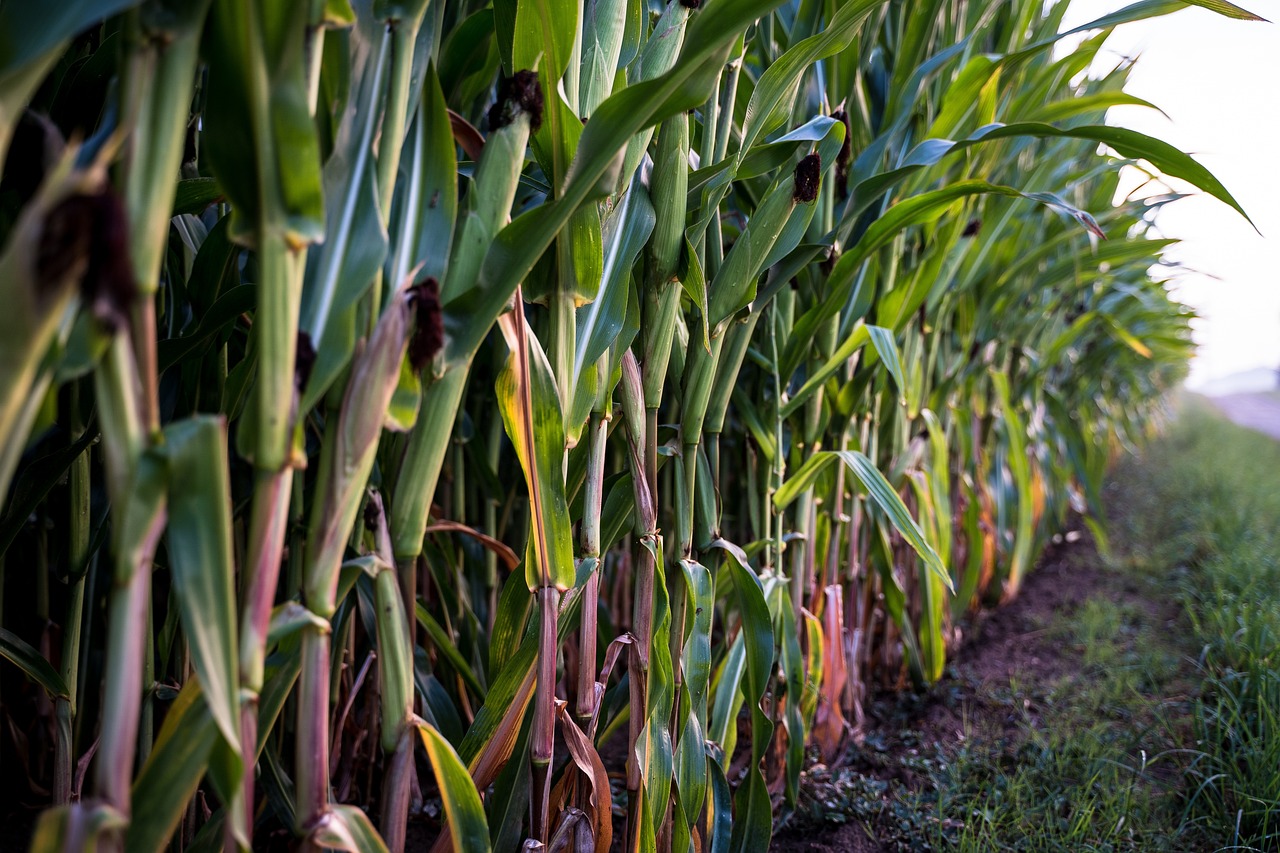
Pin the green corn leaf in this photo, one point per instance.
(691, 754)
(1015, 434)
(341, 269)
(32, 663)
(464, 813)
(199, 544)
(1127, 143)
(543, 38)
(1063, 110)
(753, 809)
(770, 102)
(758, 636)
(625, 113)
(216, 321)
(887, 349)
(194, 195)
(257, 99)
(432, 184)
(289, 618)
(601, 322)
(33, 484)
(395, 657)
(30, 32)
(1229, 10)
(174, 769)
(348, 828)
(791, 670)
(603, 30)
(530, 407)
(878, 489)
(853, 342)
(917, 210)
(720, 816)
(764, 157)
(32, 39)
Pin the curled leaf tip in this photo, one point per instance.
(519, 93)
(808, 177)
(89, 232)
(428, 329)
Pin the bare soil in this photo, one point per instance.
(1007, 656)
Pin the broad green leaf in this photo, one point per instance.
(791, 671)
(29, 31)
(852, 343)
(32, 663)
(770, 101)
(543, 38)
(34, 483)
(757, 629)
(1062, 110)
(603, 29)
(917, 210)
(194, 195)
(530, 407)
(178, 761)
(878, 489)
(261, 141)
(1229, 10)
(1020, 466)
(288, 618)
(395, 655)
(1127, 143)
(199, 545)
(1128, 338)
(432, 184)
(465, 820)
(219, 317)
(691, 754)
(341, 269)
(625, 113)
(31, 38)
(600, 322)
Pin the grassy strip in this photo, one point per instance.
(1167, 739)
(1094, 761)
(1159, 726)
(1206, 502)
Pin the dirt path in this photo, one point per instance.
(1256, 411)
(1009, 646)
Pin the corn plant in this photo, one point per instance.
(604, 396)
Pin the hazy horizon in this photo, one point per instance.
(1210, 75)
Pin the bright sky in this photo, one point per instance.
(1217, 79)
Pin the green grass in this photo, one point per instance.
(1165, 732)
(1167, 739)
(1206, 503)
(1093, 769)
